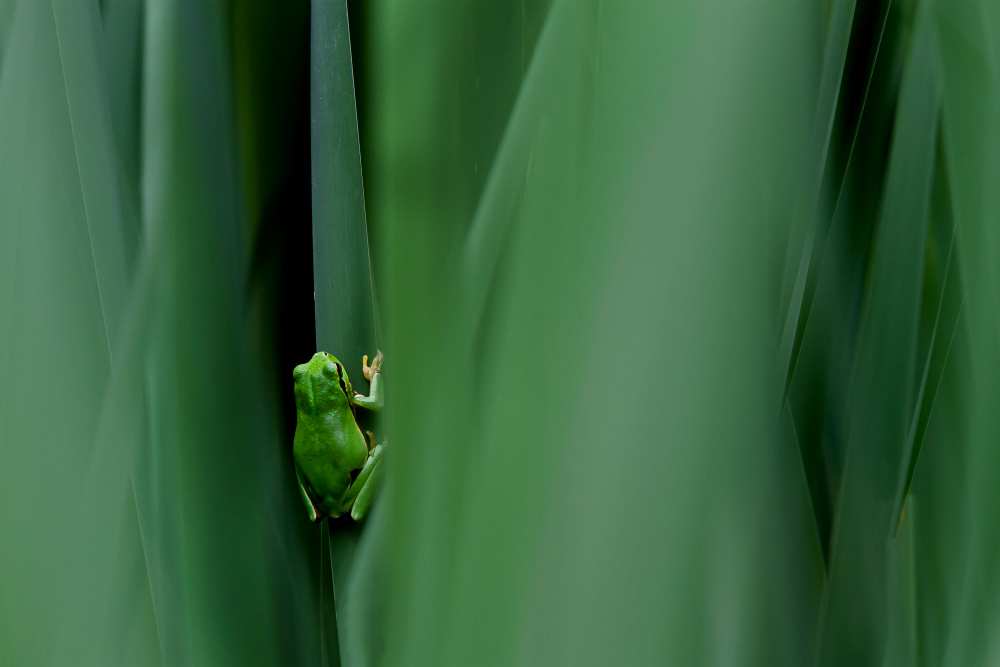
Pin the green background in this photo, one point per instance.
(688, 310)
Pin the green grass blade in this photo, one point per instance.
(803, 238)
(805, 249)
(824, 345)
(884, 375)
(902, 643)
(345, 315)
(812, 258)
(968, 35)
(346, 318)
(945, 298)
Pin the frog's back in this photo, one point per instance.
(328, 448)
(328, 445)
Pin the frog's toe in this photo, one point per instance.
(369, 371)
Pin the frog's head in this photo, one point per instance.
(321, 383)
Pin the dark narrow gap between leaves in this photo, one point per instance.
(865, 74)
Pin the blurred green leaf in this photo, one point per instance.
(802, 247)
(214, 487)
(942, 315)
(69, 224)
(62, 267)
(549, 502)
(853, 58)
(6, 18)
(967, 34)
(884, 378)
(122, 60)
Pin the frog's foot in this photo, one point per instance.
(376, 365)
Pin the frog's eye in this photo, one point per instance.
(299, 371)
(330, 369)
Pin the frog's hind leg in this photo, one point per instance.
(367, 493)
(310, 508)
(362, 490)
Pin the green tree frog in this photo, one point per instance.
(338, 468)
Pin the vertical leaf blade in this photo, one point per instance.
(344, 289)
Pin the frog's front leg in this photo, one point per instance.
(373, 373)
(362, 490)
(310, 508)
